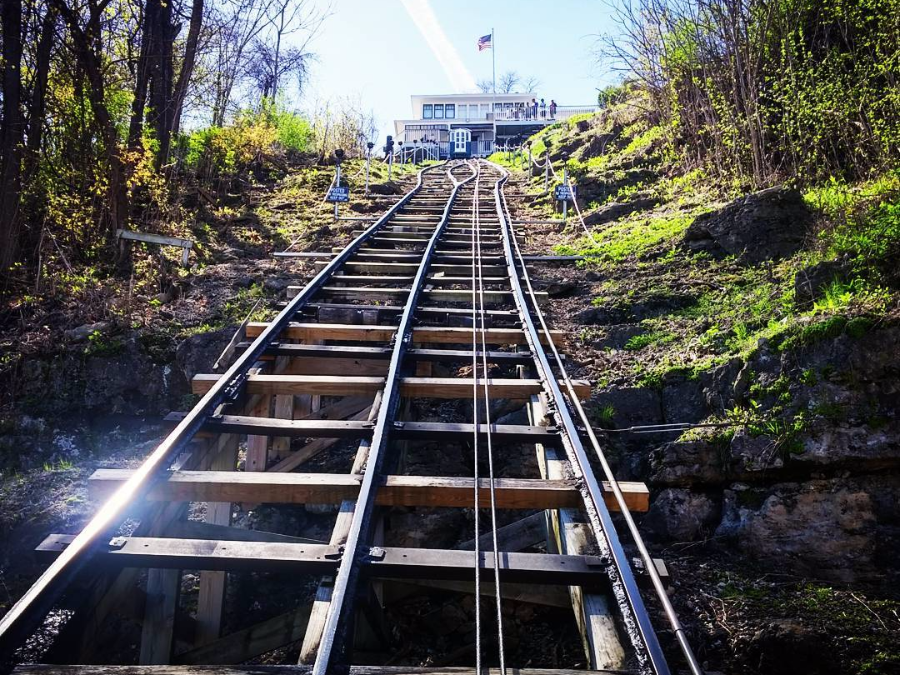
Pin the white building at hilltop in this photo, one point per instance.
(464, 125)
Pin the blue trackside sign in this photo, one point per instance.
(564, 193)
(341, 193)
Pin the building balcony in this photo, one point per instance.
(511, 115)
(527, 115)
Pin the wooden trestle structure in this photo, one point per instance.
(343, 361)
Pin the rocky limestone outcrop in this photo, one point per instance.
(766, 225)
(822, 502)
(810, 282)
(844, 529)
(616, 210)
(682, 515)
(126, 381)
(198, 353)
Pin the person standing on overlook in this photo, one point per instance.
(543, 109)
(533, 108)
(552, 109)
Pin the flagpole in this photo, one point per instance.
(494, 97)
(494, 60)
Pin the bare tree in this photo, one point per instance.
(248, 50)
(267, 66)
(344, 124)
(530, 84)
(510, 82)
(269, 61)
(236, 23)
(289, 17)
(745, 82)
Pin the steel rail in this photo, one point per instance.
(475, 438)
(656, 580)
(645, 641)
(26, 614)
(490, 449)
(338, 623)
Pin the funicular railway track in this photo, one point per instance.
(436, 284)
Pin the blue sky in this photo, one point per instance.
(372, 50)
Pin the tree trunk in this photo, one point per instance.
(39, 92)
(161, 101)
(142, 76)
(117, 190)
(187, 65)
(11, 133)
(277, 54)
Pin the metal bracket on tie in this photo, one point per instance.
(376, 553)
(596, 561)
(337, 554)
(233, 390)
(117, 542)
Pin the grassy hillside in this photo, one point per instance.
(785, 363)
(637, 205)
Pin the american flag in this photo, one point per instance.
(484, 42)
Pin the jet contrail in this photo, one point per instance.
(426, 21)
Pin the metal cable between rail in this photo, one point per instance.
(487, 414)
(649, 565)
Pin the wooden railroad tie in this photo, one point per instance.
(324, 488)
(358, 428)
(421, 335)
(322, 559)
(53, 669)
(411, 387)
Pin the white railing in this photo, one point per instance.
(420, 152)
(482, 148)
(528, 114)
(423, 151)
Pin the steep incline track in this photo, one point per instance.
(436, 284)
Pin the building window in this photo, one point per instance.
(450, 111)
(438, 111)
(485, 108)
(427, 111)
